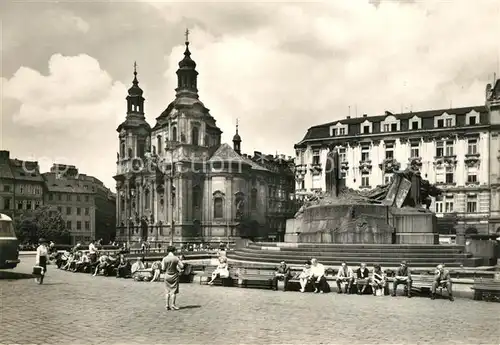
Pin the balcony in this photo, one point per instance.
(390, 165)
(445, 160)
(365, 165)
(316, 169)
(472, 159)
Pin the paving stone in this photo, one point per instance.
(81, 309)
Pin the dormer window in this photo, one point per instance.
(472, 118)
(444, 120)
(414, 125)
(340, 131)
(366, 129)
(390, 124)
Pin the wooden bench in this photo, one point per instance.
(254, 278)
(206, 276)
(486, 288)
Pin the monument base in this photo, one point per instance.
(415, 226)
(417, 238)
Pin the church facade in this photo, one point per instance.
(176, 182)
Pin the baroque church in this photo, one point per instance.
(176, 182)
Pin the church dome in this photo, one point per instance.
(187, 62)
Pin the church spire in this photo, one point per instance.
(186, 74)
(135, 101)
(237, 140)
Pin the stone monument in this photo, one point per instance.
(397, 212)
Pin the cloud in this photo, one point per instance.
(76, 89)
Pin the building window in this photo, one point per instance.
(87, 225)
(387, 127)
(471, 203)
(19, 205)
(6, 203)
(389, 151)
(366, 129)
(439, 206)
(450, 175)
(440, 175)
(440, 123)
(174, 133)
(78, 211)
(122, 149)
(78, 198)
(194, 136)
(59, 209)
(68, 197)
(87, 211)
(315, 160)
(472, 146)
(196, 197)
(37, 190)
(472, 120)
(253, 199)
(365, 153)
(78, 225)
(365, 179)
(340, 131)
(69, 225)
(59, 196)
(218, 204)
(302, 184)
(394, 127)
(444, 148)
(472, 175)
(448, 204)
(448, 122)
(68, 210)
(37, 204)
(51, 196)
(147, 199)
(342, 154)
(87, 198)
(158, 144)
(21, 189)
(29, 206)
(388, 178)
(6, 188)
(449, 148)
(414, 125)
(415, 150)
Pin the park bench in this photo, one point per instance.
(486, 288)
(206, 276)
(255, 278)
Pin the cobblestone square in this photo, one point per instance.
(80, 309)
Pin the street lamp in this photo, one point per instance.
(129, 220)
(172, 198)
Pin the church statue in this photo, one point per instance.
(239, 208)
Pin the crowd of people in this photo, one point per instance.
(313, 273)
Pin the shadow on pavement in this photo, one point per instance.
(190, 307)
(10, 275)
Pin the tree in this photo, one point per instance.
(42, 222)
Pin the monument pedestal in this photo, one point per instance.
(415, 226)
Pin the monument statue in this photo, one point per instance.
(332, 173)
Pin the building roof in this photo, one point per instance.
(323, 130)
(25, 170)
(5, 171)
(225, 153)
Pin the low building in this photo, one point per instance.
(21, 185)
(85, 204)
(457, 149)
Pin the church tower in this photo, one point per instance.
(237, 141)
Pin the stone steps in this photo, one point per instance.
(329, 246)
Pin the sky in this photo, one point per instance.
(278, 67)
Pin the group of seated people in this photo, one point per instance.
(83, 261)
(313, 273)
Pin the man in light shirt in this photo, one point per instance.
(318, 276)
(92, 252)
(345, 276)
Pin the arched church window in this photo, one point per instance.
(174, 133)
(253, 199)
(218, 203)
(196, 197)
(194, 136)
(147, 197)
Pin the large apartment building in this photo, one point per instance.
(458, 149)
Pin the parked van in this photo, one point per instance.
(9, 245)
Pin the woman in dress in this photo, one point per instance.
(221, 271)
(172, 266)
(304, 275)
(378, 279)
(42, 257)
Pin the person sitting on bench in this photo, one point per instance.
(362, 278)
(156, 268)
(378, 280)
(345, 276)
(139, 272)
(317, 276)
(442, 279)
(303, 276)
(82, 263)
(403, 276)
(123, 270)
(102, 265)
(221, 271)
(283, 274)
